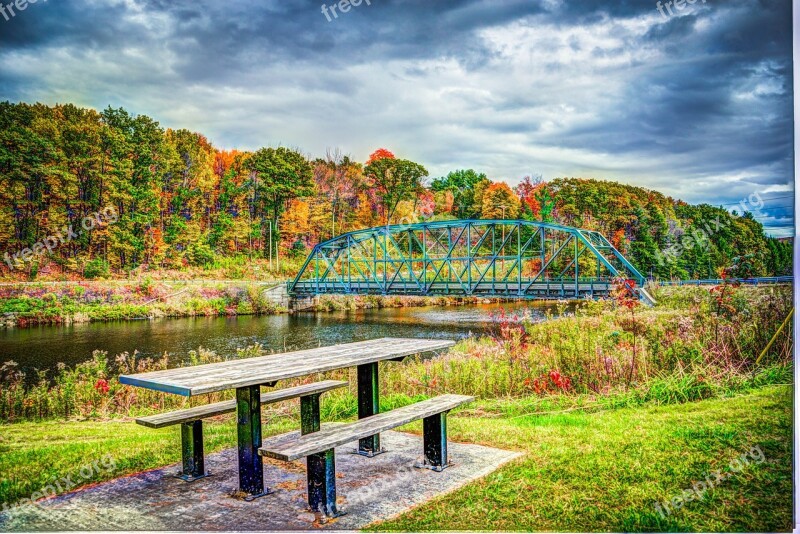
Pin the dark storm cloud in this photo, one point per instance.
(63, 23)
(698, 105)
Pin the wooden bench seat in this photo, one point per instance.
(191, 420)
(318, 447)
(218, 408)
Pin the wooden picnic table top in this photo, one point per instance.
(208, 378)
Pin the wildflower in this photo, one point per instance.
(101, 386)
(561, 382)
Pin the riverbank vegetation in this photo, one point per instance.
(696, 343)
(43, 303)
(173, 202)
(329, 303)
(80, 302)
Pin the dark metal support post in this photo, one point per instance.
(368, 404)
(248, 427)
(309, 414)
(321, 470)
(192, 451)
(434, 431)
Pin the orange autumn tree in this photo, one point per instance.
(381, 153)
(232, 228)
(444, 203)
(366, 213)
(296, 227)
(500, 202)
(619, 241)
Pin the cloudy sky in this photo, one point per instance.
(694, 102)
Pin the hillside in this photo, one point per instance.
(88, 194)
(669, 238)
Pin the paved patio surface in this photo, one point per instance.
(368, 490)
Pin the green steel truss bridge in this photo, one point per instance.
(484, 258)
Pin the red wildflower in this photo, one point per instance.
(561, 382)
(101, 385)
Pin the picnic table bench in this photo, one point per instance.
(247, 376)
(191, 420)
(318, 447)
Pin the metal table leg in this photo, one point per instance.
(322, 484)
(248, 429)
(321, 467)
(368, 404)
(434, 431)
(309, 414)
(192, 451)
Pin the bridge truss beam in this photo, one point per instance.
(492, 258)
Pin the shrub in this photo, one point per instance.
(200, 254)
(298, 250)
(96, 268)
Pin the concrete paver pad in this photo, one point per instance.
(368, 489)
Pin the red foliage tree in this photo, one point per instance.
(381, 153)
(426, 204)
(529, 190)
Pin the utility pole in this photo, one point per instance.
(277, 243)
(270, 243)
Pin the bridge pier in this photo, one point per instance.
(646, 297)
(302, 303)
(278, 295)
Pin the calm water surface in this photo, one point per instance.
(43, 347)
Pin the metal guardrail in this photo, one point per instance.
(717, 281)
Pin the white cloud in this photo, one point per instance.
(688, 107)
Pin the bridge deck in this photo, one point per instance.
(499, 289)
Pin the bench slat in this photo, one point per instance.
(290, 447)
(218, 408)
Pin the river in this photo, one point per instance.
(45, 346)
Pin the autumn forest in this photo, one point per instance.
(179, 202)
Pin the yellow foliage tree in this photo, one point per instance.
(295, 224)
(500, 202)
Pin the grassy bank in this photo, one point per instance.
(32, 304)
(241, 268)
(581, 471)
(110, 300)
(606, 471)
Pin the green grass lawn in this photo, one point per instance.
(604, 471)
(581, 471)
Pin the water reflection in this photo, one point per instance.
(44, 347)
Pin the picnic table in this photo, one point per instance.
(247, 376)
